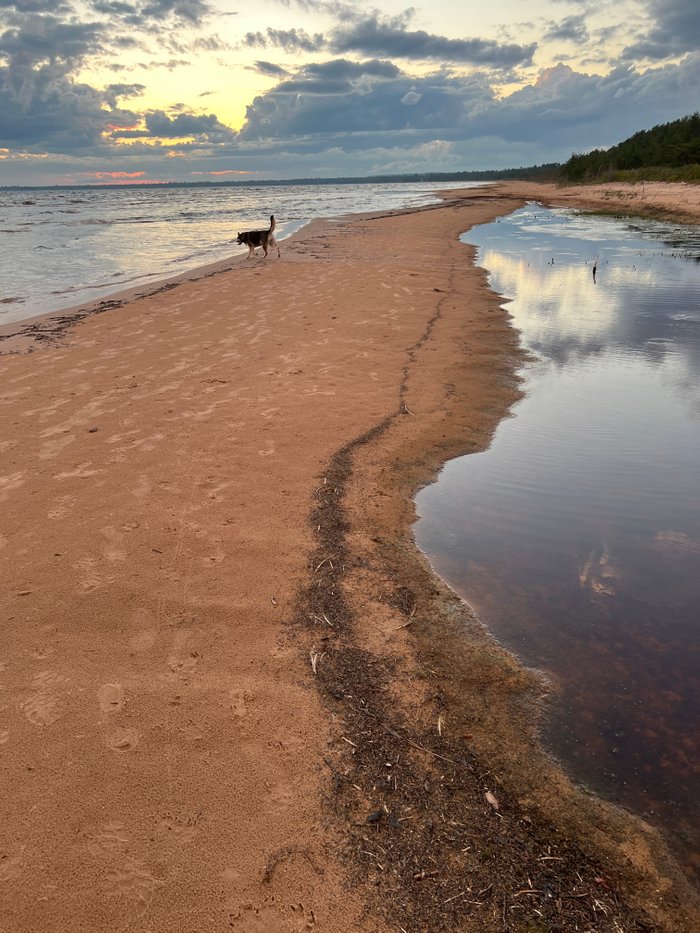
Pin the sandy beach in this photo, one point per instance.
(233, 696)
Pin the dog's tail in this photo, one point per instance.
(273, 223)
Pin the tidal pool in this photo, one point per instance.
(576, 536)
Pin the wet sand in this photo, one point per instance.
(232, 693)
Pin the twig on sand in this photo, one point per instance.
(453, 898)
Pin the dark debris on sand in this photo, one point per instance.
(436, 844)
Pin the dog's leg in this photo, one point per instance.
(251, 251)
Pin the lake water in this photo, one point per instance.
(61, 247)
(576, 535)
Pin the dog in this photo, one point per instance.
(254, 238)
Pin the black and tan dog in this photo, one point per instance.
(254, 238)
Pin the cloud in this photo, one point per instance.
(115, 175)
(291, 40)
(411, 97)
(362, 109)
(586, 111)
(377, 35)
(194, 12)
(43, 48)
(43, 39)
(269, 69)
(674, 30)
(113, 92)
(571, 29)
(36, 6)
(44, 109)
(348, 97)
(203, 126)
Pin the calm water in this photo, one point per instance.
(67, 246)
(576, 536)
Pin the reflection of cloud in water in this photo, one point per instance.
(576, 534)
(645, 303)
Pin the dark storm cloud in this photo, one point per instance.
(348, 104)
(572, 29)
(674, 30)
(349, 97)
(375, 35)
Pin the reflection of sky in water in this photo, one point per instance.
(577, 534)
(565, 317)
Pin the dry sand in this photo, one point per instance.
(232, 694)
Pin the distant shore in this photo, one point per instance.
(233, 695)
(673, 201)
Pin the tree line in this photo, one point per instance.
(667, 152)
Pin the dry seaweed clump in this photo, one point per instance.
(436, 841)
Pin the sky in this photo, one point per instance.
(133, 91)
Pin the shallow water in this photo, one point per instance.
(576, 535)
(60, 247)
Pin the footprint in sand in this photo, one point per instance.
(134, 882)
(178, 829)
(270, 920)
(110, 698)
(183, 665)
(191, 732)
(4, 736)
(124, 876)
(108, 840)
(113, 550)
(143, 488)
(10, 866)
(240, 700)
(53, 448)
(122, 740)
(91, 578)
(282, 796)
(9, 483)
(81, 470)
(61, 508)
(41, 707)
(142, 641)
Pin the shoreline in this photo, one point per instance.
(671, 202)
(262, 603)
